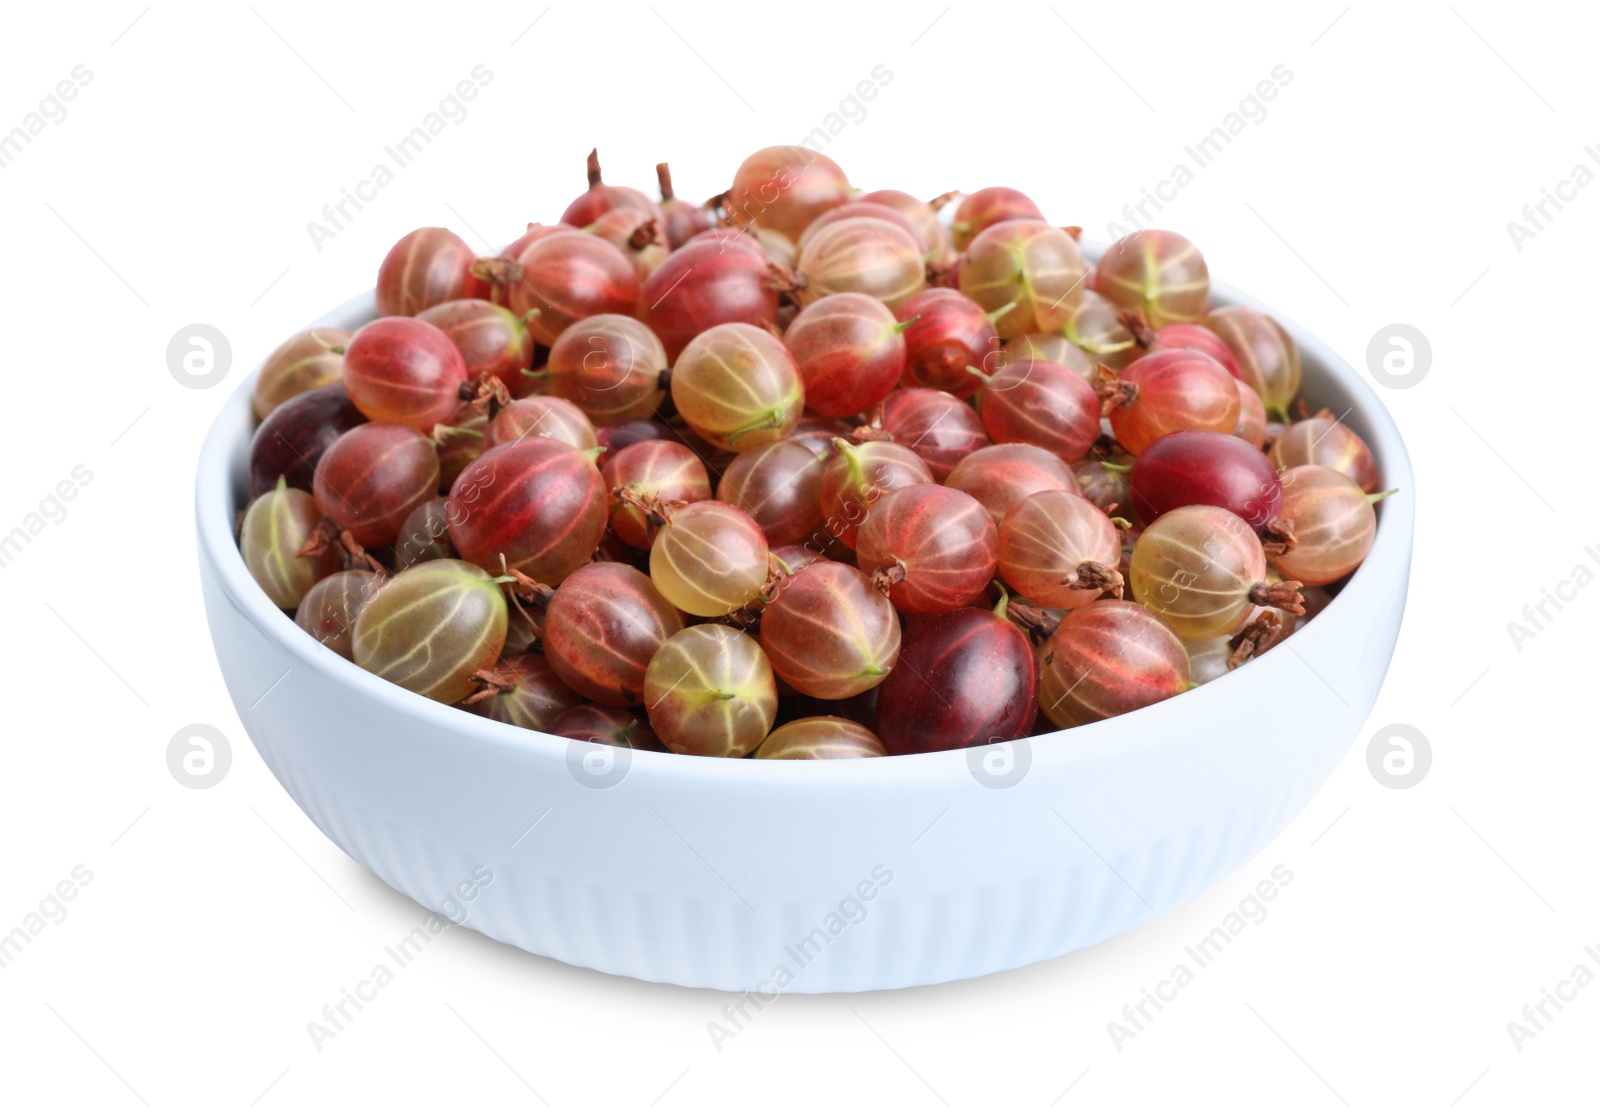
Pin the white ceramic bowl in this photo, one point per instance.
(806, 876)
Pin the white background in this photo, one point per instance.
(1376, 190)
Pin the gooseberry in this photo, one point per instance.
(637, 236)
(861, 255)
(849, 353)
(1159, 273)
(294, 436)
(1252, 424)
(1041, 403)
(736, 386)
(402, 369)
(328, 611)
(1201, 569)
(1052, 348)
(276, 526)
(1333, 524)
(937, 426)
(1108, 658)
(946, 333)
(857, 476)
(373, 477)
(304, 362)
(821, 737)
(779, 485)
(1001, 476)
(425, 268)
(666, 470)
(680, 220)
(431, 628)
(596, 723)
(829, 633)
(717, 278)
(540, 416)
(785, 189)
(965, 678)
(600, 199)
(536, 506)
(932, 548)
(1060, 550)
(601, 629)
(1165, 392)
(1266, 356)
(1203, 466)
(710, 692)
(989, 206)
(610, 366)
(524, 691)
(568, 276)
(1026, 274)
(708, 558)
(492, 340)
(1330, 443)
(424, 535)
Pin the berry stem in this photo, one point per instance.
(594, 167)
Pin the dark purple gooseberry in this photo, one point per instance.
(965, 678)
(293, 437)
(1196, 466)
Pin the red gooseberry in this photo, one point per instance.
(600, 199)
(602, 627)
(492, 340)
(373, 477)
(1001, 476)
(938, 427)
(302, 363)
(1041, 403)
(667, 470)
(860, 255)
(1264, 352)
(1106, 659)
(402, 369)
(857, 476)
(1026, 274)
(535, 506)
(947, 333)
(540, 416)
(932, 548)
(610, 366)
(849, 352)
(1333, 524)
(614, 727)
(829, 633)
(718, 278)
(1203, 466)
(1330, 443)
(1060, 550)
(785, 189)
(965, 678)
(989, 206)
(1202, 570)
(523, 690)
(425, 268)
(1165, 392)
(680, 220)
(295, 435)
(821, 737)
(568, 276)
(778, 484)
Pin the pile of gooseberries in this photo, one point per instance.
(800, 473)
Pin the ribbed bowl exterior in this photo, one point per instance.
(806, 877)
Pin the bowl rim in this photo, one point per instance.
(1090, 745)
